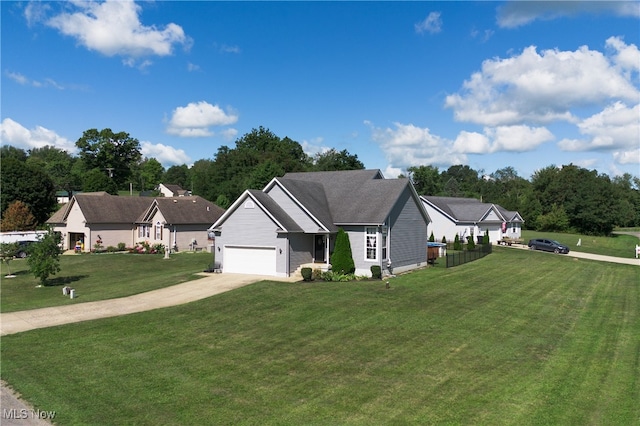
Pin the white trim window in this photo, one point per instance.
(371, 243)
(158, 230)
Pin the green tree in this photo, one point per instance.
(151, 172)
(457, 245)
(7, 253)
(44, 259)
(426, 180)
(59, 165)
(96, 180)
(461, 181)
(554, 221)
(432, 237)
(18, 217)
(333, 160)
(114, 153)
(342, 258)
(8, 151)
(178, 175)
(31, 185)
(223, 201)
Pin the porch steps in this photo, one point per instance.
(298, 272)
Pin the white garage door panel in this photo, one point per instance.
(250, 260)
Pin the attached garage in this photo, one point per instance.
(249, 260)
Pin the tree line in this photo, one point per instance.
(566, 198)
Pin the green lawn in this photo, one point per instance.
(516, 338)
(617, 245)
(97, 277)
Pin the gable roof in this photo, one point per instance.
(469, 209)
(100, 207)
(183, 210)
(175, 189)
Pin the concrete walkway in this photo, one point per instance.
(209, 285)
(590, 256)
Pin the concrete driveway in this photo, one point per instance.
(209, 285)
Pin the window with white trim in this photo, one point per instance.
(371, 243)
(158, 231)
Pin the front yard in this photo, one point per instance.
(97, 277)
(511, 339)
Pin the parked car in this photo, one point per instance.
(548, 245)
(24, 248)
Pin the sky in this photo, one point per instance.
(485, 84)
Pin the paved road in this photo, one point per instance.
(590, 256)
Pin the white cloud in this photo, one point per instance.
(517, 13)
(407, 145)
(543, 87)
(25, 81)
(627, 157)
(195, 119)
(14, 134)
(616, 127)
(431, 24)
(314, 146)
(502, 138)
(166, 155)
(114, 28)
(229, 134)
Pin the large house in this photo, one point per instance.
(469, 216)
(294, 220)
(100, 218)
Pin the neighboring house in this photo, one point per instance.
(92, 217)
(168, 190)
(179, 222)
(294, 220)
(468, 216)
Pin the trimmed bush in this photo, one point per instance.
(444, 240)
(376, 272)
(457, 245)
(122, 246)
(485, 238)
(306, 274)
(432, 238)
(470, 243)
(341, 258)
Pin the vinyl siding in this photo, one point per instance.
(408, 234)
(293, 209)
(300, 250)
(251, 227)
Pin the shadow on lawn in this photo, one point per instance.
(58, 281)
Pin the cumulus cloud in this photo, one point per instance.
(14, 134)
(616, 129)
(196, 119)
(113, 28)
(543, 87)
(165, 154)
(314, 146)
(518, 13)
(431, 24)
(407, 145)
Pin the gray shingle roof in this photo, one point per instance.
(467, 209)
(105, 208)
(185, 210)
(276, 211)
(352, 196)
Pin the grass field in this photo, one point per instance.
(97, 277)
(516, 338)
(617, 245)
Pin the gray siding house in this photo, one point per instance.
(294, 220)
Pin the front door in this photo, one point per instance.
(319, 249)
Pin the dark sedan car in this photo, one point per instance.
(548, 245)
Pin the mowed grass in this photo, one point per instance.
(516, 338)
(97, 277)
(616, 245)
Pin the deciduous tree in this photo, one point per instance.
(18, 217)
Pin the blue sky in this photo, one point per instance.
(400, 84)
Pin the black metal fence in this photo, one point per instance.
(456, 258)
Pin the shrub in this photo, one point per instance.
(470, 243)
(444, 240)
(341, 258)
(121, 246)
(485, 238)
(376, 272)
(144, 247)
(432, 238)
(457, 245)
(306, 274)
(111, 249)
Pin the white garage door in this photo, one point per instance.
(250, 260)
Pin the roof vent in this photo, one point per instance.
(175, 201)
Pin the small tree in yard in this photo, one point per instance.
(485, 238)
(45, 257)
(432, 238)
(342, 258)
(470, 243)
(457, 245)
(7, 253)
(17, 217)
